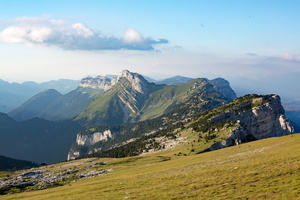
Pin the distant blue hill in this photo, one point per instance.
(14, 94)
(175, 80)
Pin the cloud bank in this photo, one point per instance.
(46, 32)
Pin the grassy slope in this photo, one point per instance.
(264, 169)
(160, 99)
(100, 103)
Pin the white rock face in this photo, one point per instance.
(267, 120)
(106, 82)
(99, 82)
(134, 96)
(136, 81)
(88, 140)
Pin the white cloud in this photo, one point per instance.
(42, 31)
(132, 36)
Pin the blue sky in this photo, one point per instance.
(46, 40)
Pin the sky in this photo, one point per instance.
(250, 43)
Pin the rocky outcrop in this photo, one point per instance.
(99, 82)
(84, 141)
(88, 140)
(39, 178)
(222, 86)
(134, 96)
(259, 122)
(138, 83)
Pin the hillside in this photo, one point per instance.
(192, 99)
(209, 127)
(32, 108)
(264, 169)
(36, 139)
(51, 105)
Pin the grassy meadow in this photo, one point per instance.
(264, 169)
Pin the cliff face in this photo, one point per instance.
(259, 122)
(222, 86)
(138, 83)
(134, 95)
(99, 82)
(84, 141)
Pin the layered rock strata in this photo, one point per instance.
(264, 121)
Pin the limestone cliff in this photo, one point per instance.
(133, 96)
(99, 82)
(84, 141)
(265, 120)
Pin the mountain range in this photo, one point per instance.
(53, 106)
(111, 113)
(14, 94)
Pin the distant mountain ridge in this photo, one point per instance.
(129, 97)
(14, 94)
(114, 111)
(97, 101)
(175, 80)
(52, 105)
(31, 108)
(132, 98)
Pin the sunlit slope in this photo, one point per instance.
(122, 104)
(264, 169)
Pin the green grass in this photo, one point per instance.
(264, 169)
(160, 99)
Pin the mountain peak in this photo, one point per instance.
(127, 74)
(138, 82)
(221, 85)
